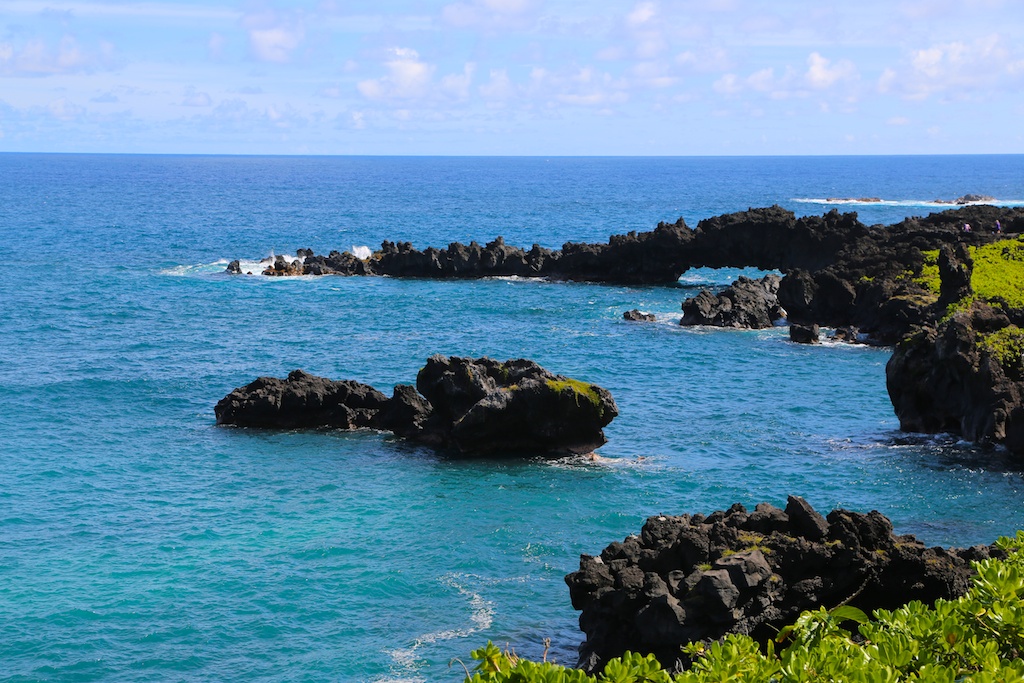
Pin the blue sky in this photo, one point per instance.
(534, 77)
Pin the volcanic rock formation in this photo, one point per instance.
(696, 578)
(748, 304)
(469, 406)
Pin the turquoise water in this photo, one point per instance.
(140, 542)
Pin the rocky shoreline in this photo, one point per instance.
(872, 284)
(693, 578)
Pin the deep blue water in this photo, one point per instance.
(140, 542)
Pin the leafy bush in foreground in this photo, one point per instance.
(978, 638)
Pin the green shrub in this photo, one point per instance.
(929, 277)
(998, 275)
(1007, 347)
(978, 638)
(999, 272)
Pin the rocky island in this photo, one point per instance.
(462, 405)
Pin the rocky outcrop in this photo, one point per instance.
(746, 304)
(804, 334)
(963, 377)
(468, 406)
(637, 316)
(484, 406)
(301, 401)
(696, 578)
(838, 271)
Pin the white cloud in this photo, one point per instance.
(499, 88)
(898, 121)
(273, 36)
(959, 68)
(457, 85)
(763, 80)
(641, 14)
(709, 60)
(728, 84)
(652, 75)
(408, 78)
(821, 74)
(37, 58)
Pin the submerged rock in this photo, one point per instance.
(695, 578)
(470, 406)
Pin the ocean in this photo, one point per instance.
(141, 542)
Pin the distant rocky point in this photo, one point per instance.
(463, 405)
(967, 199)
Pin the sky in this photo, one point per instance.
(512, 77)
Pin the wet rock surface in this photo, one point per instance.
(464, 405)
(804, 334)
(691, 578)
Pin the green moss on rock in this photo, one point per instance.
(582, 390)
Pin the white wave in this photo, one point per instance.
(247, 266)
(196, 269)
(361, 252)
(923, 203)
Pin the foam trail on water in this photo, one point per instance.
(481, 618)
(924, 203)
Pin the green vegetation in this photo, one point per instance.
(1007, 347)
(582, 390)
(978, 638)
(998, 275)
(958, 307)
(999, 272)
(929, 277)
(753, 541)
